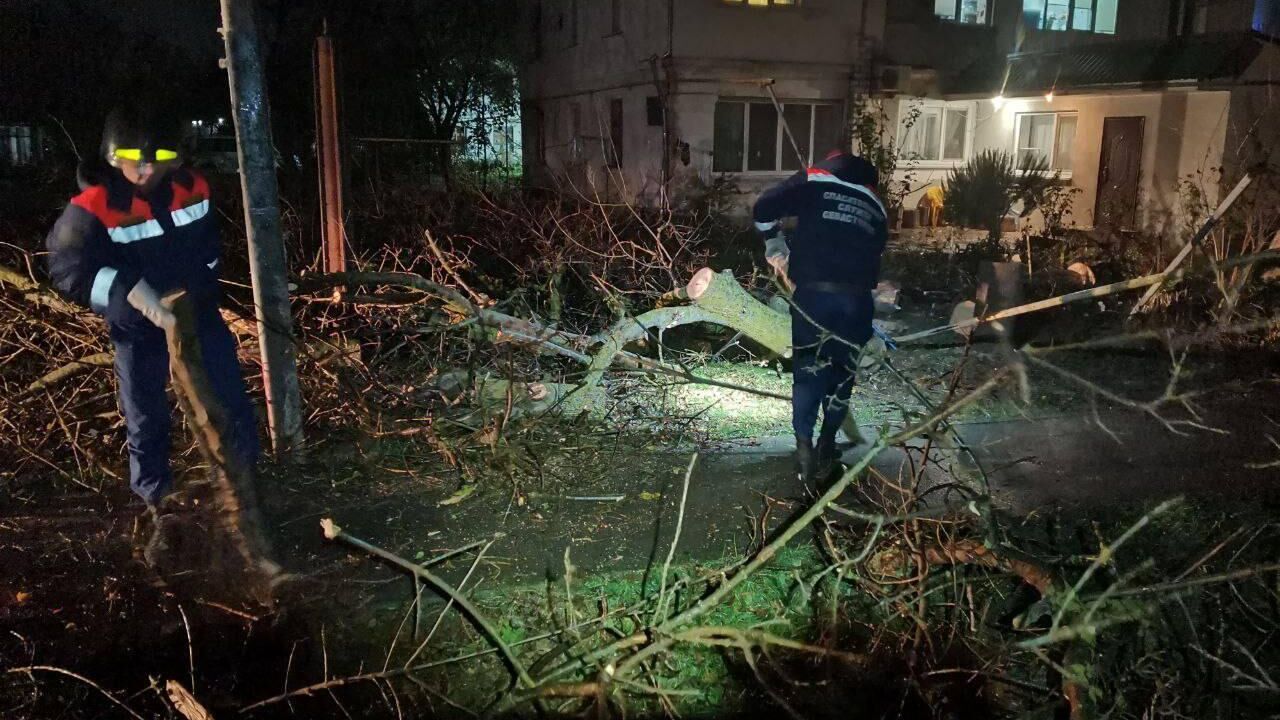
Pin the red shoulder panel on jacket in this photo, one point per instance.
(94, 199)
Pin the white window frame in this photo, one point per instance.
(905, 106)
(782, 142)
(955, 15)
(1074, 5)
(1053, 145)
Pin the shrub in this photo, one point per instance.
(980, 193)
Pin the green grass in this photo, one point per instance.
(771, 598)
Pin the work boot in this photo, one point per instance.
(827, 461)
(166, 522)
(806, 460)
(158, 551)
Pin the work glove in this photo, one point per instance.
(776, 253)
(144, 299)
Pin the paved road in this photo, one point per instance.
(1071, 463)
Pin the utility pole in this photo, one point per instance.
(247, 80)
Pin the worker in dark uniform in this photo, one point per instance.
(142, 227)
(833, 260)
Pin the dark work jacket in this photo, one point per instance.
(842, 226)
(109, 237)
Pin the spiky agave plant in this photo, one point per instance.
(982, 191)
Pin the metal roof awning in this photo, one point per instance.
(1144, 65)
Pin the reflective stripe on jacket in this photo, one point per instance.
(109, 237)
(842, 226)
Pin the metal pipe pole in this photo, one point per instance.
(247, 80)
(782, 118)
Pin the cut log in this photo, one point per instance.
(728, 304)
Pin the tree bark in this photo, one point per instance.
(724, 300)
(267, 264)
(234, 483)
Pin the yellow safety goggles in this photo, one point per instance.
(135, 155)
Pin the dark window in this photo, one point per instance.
(576, 149)
(573, 22)
(615, 17)
(615, 132)
(762, 137)
(748, 136)
(537, 30)
(535, 131)
(827, 131)
(17, 145)
(729, 129)
(653, 110)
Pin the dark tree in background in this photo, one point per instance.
(424, 68)
(407, 68)
(66, 63)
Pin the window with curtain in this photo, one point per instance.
(1046, 136)
(940, 133)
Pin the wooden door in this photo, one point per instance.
(1119, 170)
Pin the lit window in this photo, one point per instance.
(1097, 16)
(762, 3)
(940, 132)
(1046, 136)
(750, 138)
(967, 12)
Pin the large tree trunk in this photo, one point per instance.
(721, 297)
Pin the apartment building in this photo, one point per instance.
(631, 99)
(1130, 100)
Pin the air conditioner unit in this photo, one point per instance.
(894, 79)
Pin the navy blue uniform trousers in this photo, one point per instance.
(827, 332)
(142, 368)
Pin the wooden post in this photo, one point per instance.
(267, 266)
(329, 157)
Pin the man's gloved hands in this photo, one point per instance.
(144, 299)
(776, 253)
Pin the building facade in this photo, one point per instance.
(1132, 101)
(1139, 104)
(631, 99)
